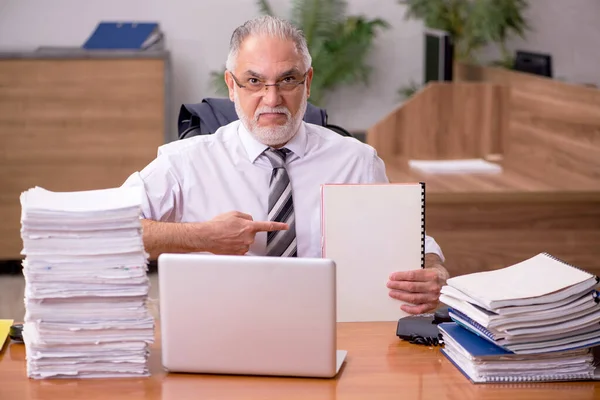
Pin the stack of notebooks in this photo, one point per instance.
(86, 284)
(537, 320)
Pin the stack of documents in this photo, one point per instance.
(540, 307)
(86, 285)
(482, 361)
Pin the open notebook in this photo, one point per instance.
(370, 231)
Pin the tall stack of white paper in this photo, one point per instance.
(86, 285)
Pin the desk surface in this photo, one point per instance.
(379, 366)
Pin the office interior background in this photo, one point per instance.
(473, 216)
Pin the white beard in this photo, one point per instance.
(272, 135)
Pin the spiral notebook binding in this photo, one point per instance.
(475, 326)
(540, 378)
(422, 224)
(567, 264)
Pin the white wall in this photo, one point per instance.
(570, 31)
(198, 32)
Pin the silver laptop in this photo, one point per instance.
(248, 315)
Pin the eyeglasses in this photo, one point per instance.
(286, 84)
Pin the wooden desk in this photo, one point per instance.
(379, 366)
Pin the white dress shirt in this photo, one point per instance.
(196, 179)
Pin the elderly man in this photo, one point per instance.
(253, 186)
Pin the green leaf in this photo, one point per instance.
(472, 23)
(342, 58)
(265, 7)
(317, 18)
(218, 82)
(405, 92)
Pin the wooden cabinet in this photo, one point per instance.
(75, 121)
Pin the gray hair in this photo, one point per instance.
(271, 27)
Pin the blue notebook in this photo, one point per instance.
(482, 362)
(475, 345)
(123, 36)
(473, 326)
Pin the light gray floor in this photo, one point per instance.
(12, 288)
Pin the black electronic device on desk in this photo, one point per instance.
(423, 328)
(16, 332)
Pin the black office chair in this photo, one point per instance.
(212, 113)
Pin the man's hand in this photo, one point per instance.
(231, 233)
(420, 287)
(234, 232)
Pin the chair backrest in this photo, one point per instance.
(206, 117)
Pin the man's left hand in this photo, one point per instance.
(420, 288)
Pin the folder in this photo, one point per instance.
(5, 325)
(371, 231)
(124, 36)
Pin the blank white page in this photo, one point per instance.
(370, 231)
(82, 201)
(537, 276)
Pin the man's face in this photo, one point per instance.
(272, 114)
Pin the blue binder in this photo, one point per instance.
(481, 352)
(123, 36)
(473, 344)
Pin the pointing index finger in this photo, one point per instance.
(268, 226)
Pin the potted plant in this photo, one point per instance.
(339, 44)
(472, 24)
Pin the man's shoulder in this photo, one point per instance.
(345, 144)
(199, 142)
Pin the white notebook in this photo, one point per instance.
(540, 279)
(370, 231)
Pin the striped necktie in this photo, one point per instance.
(281, 207)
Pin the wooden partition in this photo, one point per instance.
(547, 197)
(75, 122)
(554, 127)
(444, 121)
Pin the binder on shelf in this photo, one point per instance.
(371, 231)
(125, 36)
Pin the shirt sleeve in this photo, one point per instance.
(431, 246)
(379, 176)
(162, 191)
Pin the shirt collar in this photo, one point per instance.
(254, 148)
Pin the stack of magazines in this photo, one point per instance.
(86, 284)
(537, 320)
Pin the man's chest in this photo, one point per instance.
(213, 189)
(209, 193)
